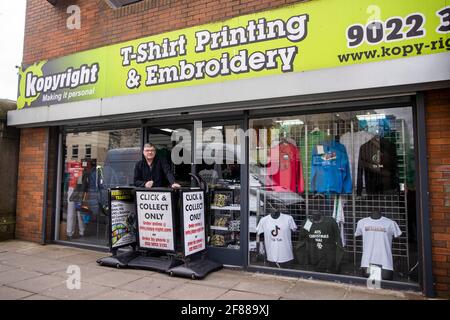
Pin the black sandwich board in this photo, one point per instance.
(156, 229)
(122, 223)
(193, 236)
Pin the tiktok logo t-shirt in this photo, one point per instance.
(277, 237)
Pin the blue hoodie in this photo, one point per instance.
(330, 172)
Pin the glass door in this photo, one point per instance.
(173, 142)
(217, 160)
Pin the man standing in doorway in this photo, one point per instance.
(150, 171)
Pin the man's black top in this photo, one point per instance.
(159, 170)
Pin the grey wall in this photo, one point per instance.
(9, 160)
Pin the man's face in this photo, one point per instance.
(149, 153)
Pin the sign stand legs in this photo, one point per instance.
(195, 268)
(119, 260)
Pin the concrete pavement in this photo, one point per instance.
(34, 272)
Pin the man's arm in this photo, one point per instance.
(167, 171)
(138, 179)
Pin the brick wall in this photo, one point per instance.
(30, 184)
(46, 34)
(438, 137)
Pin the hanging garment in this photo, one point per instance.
(338, 215)
(377, 241)
(377, 164)
(313, 138)
(277, 237)
(284, 170)
(353, 142)
(330, 169)
(322, 249)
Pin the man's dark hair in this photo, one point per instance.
(149, 145)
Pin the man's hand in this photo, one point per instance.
(175, 186)
(149, 184)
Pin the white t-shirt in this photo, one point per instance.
(277, 237)
(377, 241)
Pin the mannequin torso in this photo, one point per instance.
(385, 274)
(275, 215)
(376, 215)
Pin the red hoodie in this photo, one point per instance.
(284, 169)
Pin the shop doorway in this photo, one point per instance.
(219, 161)
(174, 140)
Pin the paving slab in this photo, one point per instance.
(6, 256)
(311, 291)
(143, 273)
(38, 284)
(113, 279)
(29, 251)
(240, 295)
(82, 258)
(150, 286)
(35, 272)
(15, 275)
(47, 266)
(85, 273)
(222, 280)
(189, 291)
(86, 291)
(39, 297)
(177, 280)
(13, 245)
(7, 293)
(262, 286)
(360, 293)
(59, 253)
(117, 294)
(4, 267)
(23, 261)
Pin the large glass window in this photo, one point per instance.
(335, 193)
(107, 161)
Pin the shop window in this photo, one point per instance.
(75, 151)
(88, 150)
(108, 161)
(335, 193)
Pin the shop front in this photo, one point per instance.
(310, 135)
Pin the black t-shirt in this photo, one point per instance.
(318, 246)
(377, 163)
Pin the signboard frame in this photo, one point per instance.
(182, 220)
(173, 203)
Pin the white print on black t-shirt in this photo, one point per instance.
(318, 236)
